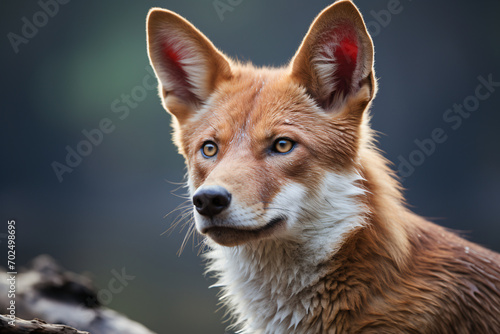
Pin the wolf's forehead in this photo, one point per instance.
(259, 104)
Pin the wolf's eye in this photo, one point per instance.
(283, 145)
(209, 149)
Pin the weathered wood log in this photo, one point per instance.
(20, 326)
(47, 291)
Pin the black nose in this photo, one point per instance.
(211, 200)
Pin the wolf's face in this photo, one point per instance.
(271, 153)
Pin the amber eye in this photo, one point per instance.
(283, 145)
(209, 149)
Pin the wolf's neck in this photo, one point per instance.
(268, 286)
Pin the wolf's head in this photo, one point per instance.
(271, 153)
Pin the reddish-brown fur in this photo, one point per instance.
(400, 273)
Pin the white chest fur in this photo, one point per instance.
(273, 285)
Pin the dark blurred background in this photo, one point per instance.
(82, 64)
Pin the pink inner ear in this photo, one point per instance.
(346, 55)
(177, 76)
(171, 55)
(337, 60)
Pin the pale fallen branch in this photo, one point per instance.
(20, 326)
(47, 291)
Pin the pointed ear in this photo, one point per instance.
(187, 64)
(335, 59)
